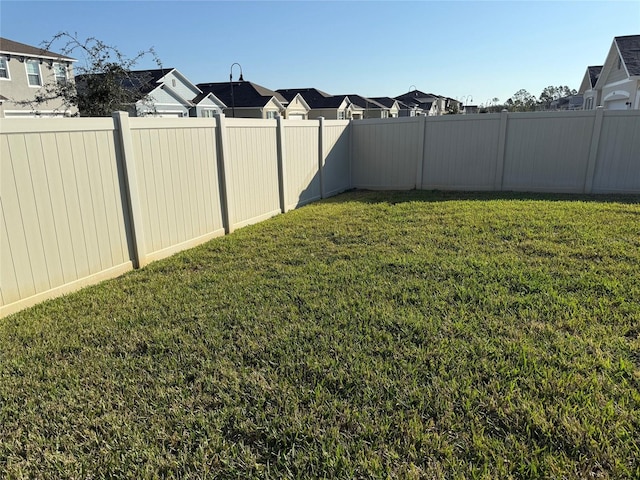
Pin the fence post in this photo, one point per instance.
(123, 130)
(502, 147)
(422, 149)
(593, 151)
(282, 173)
(321, 155)
(351, 150)
(223, 160)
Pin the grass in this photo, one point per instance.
(372, 335)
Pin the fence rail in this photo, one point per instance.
(83, 200)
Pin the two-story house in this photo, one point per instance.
(28, 72)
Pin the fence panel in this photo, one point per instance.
(547, 151)
(618, 167)
(301, 157)
(461, 152)
(386, 153)
(176, 160)
(252, 170)
(63, 219)
(336, 153)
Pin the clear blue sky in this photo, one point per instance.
(373, 48)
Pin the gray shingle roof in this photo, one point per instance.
(246, 94)
(386, 101)
(312, 96)
(143, 81)
(361, 101)
(629, 47)
(594, 73)
(17, 48)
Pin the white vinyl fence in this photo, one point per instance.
(87, 199)
(580, 152)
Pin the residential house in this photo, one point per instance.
(409, 109)
(247, 99)
(297, 108)
(206, 105)
(591, 96)
(168, 93)
(370, 107)
(618, 85)
(27, 72)
(420, 103)
(391, 104)
(162, 92)
(322, 104)
(570, 102)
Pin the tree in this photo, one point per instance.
(104, 79)
(551, 93)
(521, 101)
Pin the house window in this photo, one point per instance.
(4, 68)
(385, 114)
(271, 114)
(33, 73)
(340, 115)
(208, 113)
(60, 72)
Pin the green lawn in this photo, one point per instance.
(371, 335)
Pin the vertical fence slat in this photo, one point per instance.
(223, 171)
(321, 155)
(502, 147)
(133, 196)
(421, 153)
(593, 151)
(282, 166)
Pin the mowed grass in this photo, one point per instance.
(371, 335)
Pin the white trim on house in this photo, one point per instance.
(617, 95)
(25, 56)
(36, 62)
(6, 68)
(57, 77)
(619, 82)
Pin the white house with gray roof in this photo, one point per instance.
(618, 85)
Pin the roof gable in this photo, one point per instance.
(590, 78)
(627, 51)
(298, 100)
(208, 99)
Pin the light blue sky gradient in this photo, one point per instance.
(372, 48)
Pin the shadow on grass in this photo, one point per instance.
(395, 196)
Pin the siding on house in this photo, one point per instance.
(16, 88)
